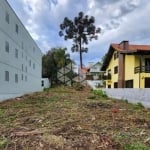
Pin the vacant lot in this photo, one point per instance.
(67, 119)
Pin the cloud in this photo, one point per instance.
(119, 20)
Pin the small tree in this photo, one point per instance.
(80, 30)
(52, 61)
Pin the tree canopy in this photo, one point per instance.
(52, 61)
(81, 30)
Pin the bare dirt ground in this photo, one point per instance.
(66, 119)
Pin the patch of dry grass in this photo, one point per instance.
(66, 119)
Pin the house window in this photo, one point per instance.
(116, 55)
(147, 82)
(16, 78)
(6, 76)
(109, 86)
(109, 74)
(7, 46)
(115, 69)
(129, 84)
(16, 28)
(147, 65)
(7, 17)
(115, 84)
(16, 53)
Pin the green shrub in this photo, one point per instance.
(100, 93)
(140, 105)
(3, 143)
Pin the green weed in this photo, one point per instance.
(3, 143)
(135, 146)
(100, 93)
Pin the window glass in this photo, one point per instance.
(33, 65)
(115, 69)
(26, 78)
(17, 28)
(16, 53)
(7, 17)
(7, 46)
(16, 78)
(6, 76)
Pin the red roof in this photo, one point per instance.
(84, 70)
(132, 47)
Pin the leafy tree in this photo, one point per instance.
(61, 57)
(49, 66)
(81, 30)
(52, 61)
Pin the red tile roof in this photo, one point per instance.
(83, 70)
(132, 47)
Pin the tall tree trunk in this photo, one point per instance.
(80, 54)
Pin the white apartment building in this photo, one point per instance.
(20, 57)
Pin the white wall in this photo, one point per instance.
(46, 83)
(130, 94)
(28, 64)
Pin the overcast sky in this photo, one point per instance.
(119, 20)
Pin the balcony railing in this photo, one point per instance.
(145, 69)
(107, 77)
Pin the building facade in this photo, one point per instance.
(127, 66)
(20, 57)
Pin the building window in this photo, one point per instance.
(129, 84)
(7, 46)
(115, 69)
(16, 78)
(6, 76)
(115, 84)
(26, 79)
(22, 77)
(30, 63)
(16, 28)
(42, 83)
(33, 65)
(116, 55)
(7, 17)
(22, 45)
(26, 69)
(33, 49)
(22, 67)
(16, 53)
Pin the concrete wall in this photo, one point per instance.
(22, 61)
(132, 95)
(46, 83)
(94, 83)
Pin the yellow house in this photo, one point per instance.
(127, 66)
